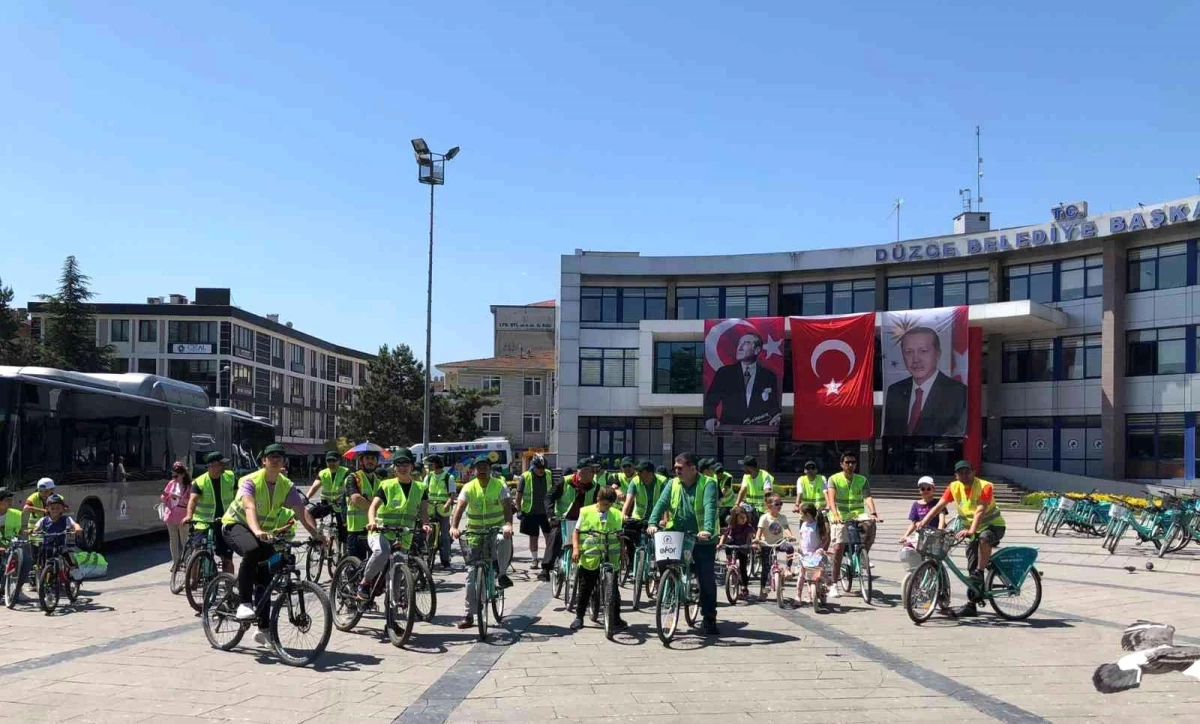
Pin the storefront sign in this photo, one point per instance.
(297, 432)
(243, 353)
(191, 349)
(345, 380)
(245, 390)
(297, 400)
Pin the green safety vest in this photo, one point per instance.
(35, 500)
(567, 499)
(702, 484)
(287, 515)
(527, 496)
(399, 509)
(756, 489)
(591, 547)
(356, 518)
(206, 506)
(848, 494)
(812, 491)
(333, 486)
(12, 524)
(268, 506)
(437, 486)
(644, 500)
(485, 508)
(969, 507)
(728, 493)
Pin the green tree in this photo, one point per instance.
(9, 324)
(70, 324)
(20, 351)
(452, 417)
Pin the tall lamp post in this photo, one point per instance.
(431, 170)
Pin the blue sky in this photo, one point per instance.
(267, 149)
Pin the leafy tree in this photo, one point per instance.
(8, 320)
(70, 325)
(453, 414)
(20, 351)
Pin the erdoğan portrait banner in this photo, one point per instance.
(743, 375)
(925, 372)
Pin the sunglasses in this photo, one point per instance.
(776, 505)
(274, 456)
(809, 469)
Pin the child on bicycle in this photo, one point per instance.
(773, 529)
(587, 553)
(814, 539)
(739, 532)
(56, 521)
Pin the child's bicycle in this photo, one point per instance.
(733, 575)
(676, 585)
(55, 571)
(779, 563)
(602, 602)
(814, 572)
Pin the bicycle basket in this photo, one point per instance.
(1117, 512)
(1065, 503)
(1014, 563)
(853, 534)
(933, 543)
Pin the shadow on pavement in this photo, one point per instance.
(691, 640)
(132, 555)
(435, 643)
(985, 621)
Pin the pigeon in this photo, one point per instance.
(1154, 652)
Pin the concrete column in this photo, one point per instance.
(995, 396)
(773, 296)
(880, 289)
(671, 299)
(1112, 359)
(995, 282)
(668, 438)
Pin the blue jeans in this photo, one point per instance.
(704, 559)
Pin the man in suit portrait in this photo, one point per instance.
(747, 392)
(928, 402)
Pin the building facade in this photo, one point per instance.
(520, 329)
(242, 360)
(1090, 342)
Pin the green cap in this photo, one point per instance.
(275, 449)
(214, 457)
(962, 464)
(626, 461)
(403, 455)
(750, 460)
(645, 466)
(332, 455)
(718, 468)
(482, 460)
(586, 461)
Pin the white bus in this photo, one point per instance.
(497, 449)
(109, 442)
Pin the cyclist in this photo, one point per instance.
(774, 529)
(810, 488)
(740, 532)
(586, 551)
(565, 501)
(756, 485)
(691, 499)
(56, 521)
(607, 479)
(211, 494)
(331, 482)
(400, 501)
(10, 523)
(975, 502)
(848, 497)
(486, 502)
(727, 494)
(256, 510)
(440, 487)
(641, 495)
(360, 489)
(35, 504)
(532, 488)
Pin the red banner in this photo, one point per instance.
(832, 364)
(743, 375)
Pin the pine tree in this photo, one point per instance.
(8, 320)
(70, 332)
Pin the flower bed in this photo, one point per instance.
(1035, 499)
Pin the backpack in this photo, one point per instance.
(90, 565)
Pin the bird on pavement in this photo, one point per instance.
(1154, 652)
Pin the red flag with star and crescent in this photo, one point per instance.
(832, 364)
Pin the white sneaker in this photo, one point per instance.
(245, 612)
(834, 592)
(260, 637)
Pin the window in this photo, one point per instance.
(192, 332)
(719, 302)
(314, 366)
(201, 372)
(148, 330)
(533, 386)
(148, 366)
(854, 297)
(297, 358)
(1080, 357)
(490, 382)
(1029, 281)
(805, 300)
(243, 375)
(296, 390)
(600, 367)
(243, 338)
(118, 365)
(622, 305)
(1028, 442)
(1080, 446)
(912, 292)
(276, 382)
(1154, 446)
(120, 330)
(533, 422)
(345, 368)
(1031, 361)
(1156, 352)
(970, 287)
(1080, 278)
(679, 367)
(1158, 267)
(698, 303)
(612, 438)
(262, 384)
(746, 301)
(490, 422)
(313, 398)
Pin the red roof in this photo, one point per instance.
(530, 361)
(547, 303)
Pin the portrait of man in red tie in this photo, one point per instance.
(927, 402)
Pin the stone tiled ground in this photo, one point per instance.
(113, 657)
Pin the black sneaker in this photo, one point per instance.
(709, 628)
(577, 624)
(543, 576)
(620, 624)
(466, 623)
(505, 582)
(966, 611)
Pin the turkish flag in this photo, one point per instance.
(832, 364)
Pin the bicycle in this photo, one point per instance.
(179, 566)
(602, 595)
(928, 588)
(1049, 506)
(201, 567)
(775, 577)
(483, 570)
(54, 572)
(856, 562)
(676, 585)
(395, 581)
(644, 578)
(14, 560)
(566, 583)
(322, 558)
(286, 590)
(733, 575)
(814, 570)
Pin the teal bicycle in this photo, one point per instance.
(488, 593)
(566, 580)
(856, 563)
(602, 603)
(645, 582)
(677, 587)
(1012, 585)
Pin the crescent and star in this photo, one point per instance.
(833, 387)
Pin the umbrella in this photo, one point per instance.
(366, 447)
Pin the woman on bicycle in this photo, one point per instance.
(773, 529)
(740, 532)
(586, 552)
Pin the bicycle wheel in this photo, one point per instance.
(1040, 524)
(301, 622)
(221, 628)
(755, 564)
(666, 610)
(846, 582)
(651, 580)
(606, 582)
(639, 574)
(431, 547)
(864, 576)
(424, 589)
(200, 569)
(777, 579)
(1172, 540)
(571, 593)
(1122, 526)
(691, 604)
(12, 577)
(178, 571)
(558, 579)
(922, 592)
(401, 605)
(1057, 523)
(498, 605)
(48, 593)
(481, 599)
(70, 583)
(732, 583)
(343, 589)
(1020, 606)
(315, 562)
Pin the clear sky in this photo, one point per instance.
(267, 149)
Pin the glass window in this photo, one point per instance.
(120, 330)
(1031, 361)
(243, 338)
(490, 421)
(1154, 446)
(192, 332)
(1080, 278)
(297, 358)
(533, 386)
(960, 288)
(118, 365)
(679, 367)
(744, 302)
(1156, 352)
(490, 383)
(533, 422)
(805, 300)
(1157, 267)
(628, 305)
(601, 367)
(698, 303)
(1080, 357)
(148, 330)
(1030, 281)
(854, 297)
(147, 366)
(277, 347)
(912, 292)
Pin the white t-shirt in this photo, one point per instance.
(810, 537)
(772, 527)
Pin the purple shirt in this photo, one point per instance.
(294, 499)
(919, 510)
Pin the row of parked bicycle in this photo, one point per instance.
(1170, 523)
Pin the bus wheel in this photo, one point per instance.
(91, 519)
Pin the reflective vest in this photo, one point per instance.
(812, 491)
(11, 524)
(485, 508)
(356, 518)
(643, 499)
(968, 505)
(287, 515)
(37, 502)
(437, 486)
(333, 486)
(527, 496)
(701, 488)
(756, 489)
(206, 506)
(269, 506)
(567, 499)
(849, 495)
(727, 492)
(592, 547)
(399, 509)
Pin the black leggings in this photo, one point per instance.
(743, 562)
(588, 581)
(253, 551)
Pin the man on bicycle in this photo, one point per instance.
(211, 494)
(532, 488)
(848, 497)
(726, 492)
(399, 502)
(252, 516)
(810, 488)
(441, 489)
(487, 504)
(640, 496)
(586, 551)
(756, 485)
(360, 489)
(564, 502)
(691, 500)
(975, 502)
(35, 504)
(331, 483)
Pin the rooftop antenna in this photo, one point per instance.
(978, 172)
(965, 196)
(896, 210)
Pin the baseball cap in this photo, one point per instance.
(403, 455)
(45, 484)
(214, 457)
(925, 480)
(961, 465)
(646, 466)
(332, 455)
(750, 460)
(274, 449)
(5, 493)
(810, 464)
